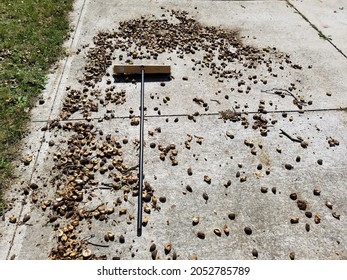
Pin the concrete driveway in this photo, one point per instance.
(244, 149)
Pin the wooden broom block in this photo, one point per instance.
(136, 69)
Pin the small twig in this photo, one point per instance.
(106, 188)
(132, 203)
(215, 100)
(72, 166)
(98, 245)
(129, 169)
(290, 137)
(88, 237)
(237, 113)
(278, 91)
(108, 185)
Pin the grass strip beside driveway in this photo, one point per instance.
(32, 33)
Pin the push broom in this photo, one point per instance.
(141, 70)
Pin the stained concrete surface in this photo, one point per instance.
(251, 196)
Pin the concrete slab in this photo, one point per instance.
(320, 75)
(214, 148)
(329, 17)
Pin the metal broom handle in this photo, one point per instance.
(142, 103)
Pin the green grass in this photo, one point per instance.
(31, 36)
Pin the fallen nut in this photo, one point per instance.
(121, 238)
(229, 134)
(317, 219)
(167, 248)
(226, 230)
(263, 189)
(26, 218)
(12, 219)
(86, 253)
(294, 220)
(329, 204)
(288, 166)
(205, 196)
(308, 214)
(207, 179)
(152, 247)
(231, 216)
(248, 230)
(195, 220)
(316, 191)
(302, 204)
(217, 231)
(336, 215)
(307, 227)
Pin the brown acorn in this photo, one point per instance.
(12, 219)
(316, 191)
(226, 230)
(152, 247)
(207, 179)
(317, 219)
(294, 220)
(263, 189)
(288, 166)
(200, 235)
(302, 204)
(329, 204)
(231, 216)
(336, 215)
(248, 230)
(205, 196)
(154, 254)
(307, 227)
(121, 238)
(308, 214)
(195, 220)
(167, 248)
(217, 231)
(26, 218)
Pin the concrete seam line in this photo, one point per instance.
(205, 114)
(50, 113)
(320, 33)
